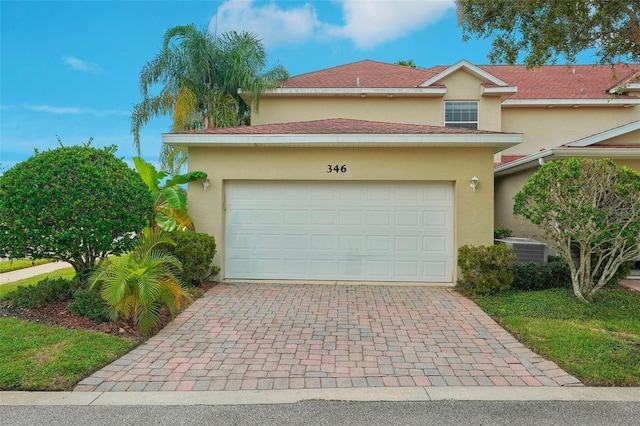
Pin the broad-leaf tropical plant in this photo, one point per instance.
(138, 284)
(170, 199)
(199, 74)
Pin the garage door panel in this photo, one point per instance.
(347, 243)
(379, 231)
(378, 243)
(378, 269)
(407, 243)
(323, 217)
(323, 242)
(406, 270)
(350, 217)
(378, 218)
(407, 218)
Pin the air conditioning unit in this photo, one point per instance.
(526, 249)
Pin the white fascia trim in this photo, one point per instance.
(497, 140)
(629, 87)
(357, 91)
(478, 72)
(570, 102)
(608, 134)
(533, 160)
(597, 152)
(508, 90)
(521, 164)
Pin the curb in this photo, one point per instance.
(293, 396)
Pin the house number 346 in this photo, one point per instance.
(336, 168)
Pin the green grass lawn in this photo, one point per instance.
(38, 357)
(15, 264)
(599, 343)
(5, 289)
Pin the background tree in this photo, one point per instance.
(76, 204)
(589, 210)
(200, 74)
(407, 63)
(547, 29)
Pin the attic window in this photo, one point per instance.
(461, 114)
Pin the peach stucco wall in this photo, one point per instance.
(506, 187)
(552, 127)
(473, 211)
(461, 86)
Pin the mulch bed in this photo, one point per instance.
(58, 314)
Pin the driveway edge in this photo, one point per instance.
(461, 393)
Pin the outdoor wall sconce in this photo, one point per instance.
(474, 183)
(205, 183)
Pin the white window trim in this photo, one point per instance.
(444, 113)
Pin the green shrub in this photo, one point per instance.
(45, 291)
(89, 304)
(195, 251)
(485, 269)
(557, 273)
(534, 276)
(623, 272)
(77, 204)
(500, 232)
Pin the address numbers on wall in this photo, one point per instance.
(336, 168)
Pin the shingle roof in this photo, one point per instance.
(368, 73)
(337, 126)
(548, 82)
(564, 82)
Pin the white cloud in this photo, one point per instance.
(373, 22)
(272, 24)
(366, 23)
(74, 110)
(80, 65)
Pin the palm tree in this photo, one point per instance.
(200, 74)
(137, 285)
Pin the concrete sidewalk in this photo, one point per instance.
(9, 277)
(291, 396)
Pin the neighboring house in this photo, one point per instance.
(363, 172)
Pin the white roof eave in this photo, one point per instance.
(533, 160)
(570, 102)
(498, 141)
(353, 91)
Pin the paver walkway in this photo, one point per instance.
(286, 336)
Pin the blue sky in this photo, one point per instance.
(70, 69)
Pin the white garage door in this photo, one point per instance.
(375, 231)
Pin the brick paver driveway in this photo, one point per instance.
(286, 336)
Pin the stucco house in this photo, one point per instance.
(378, 172)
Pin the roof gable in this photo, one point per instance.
(548, 84)
(467, 66)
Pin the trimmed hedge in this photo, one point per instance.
(44, 292)
(534, 276)
(485, 269)
(195, 251)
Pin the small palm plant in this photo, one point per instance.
(138, 284)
